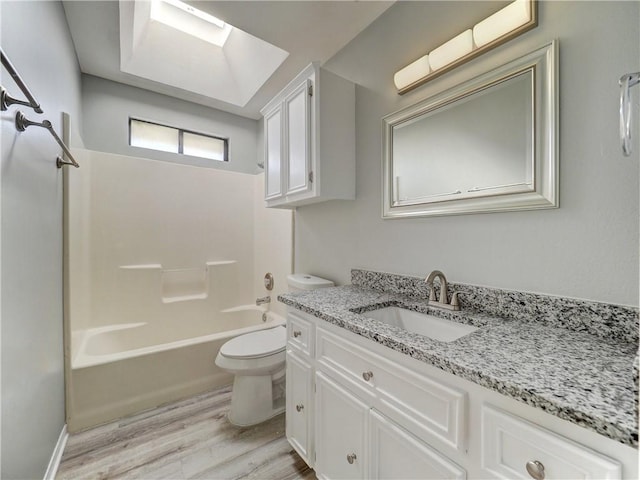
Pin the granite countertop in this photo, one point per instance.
(575, 376)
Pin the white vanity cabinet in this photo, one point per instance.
(373, 413)
(309, 136)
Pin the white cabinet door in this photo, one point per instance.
(273, 153)
(299, 415)
(341, 432)
(298, 139)
(396, 454)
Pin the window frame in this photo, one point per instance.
(181, 132)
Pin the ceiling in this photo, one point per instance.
(308, 30)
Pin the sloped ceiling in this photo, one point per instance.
(307, 30)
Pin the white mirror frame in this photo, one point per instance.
(543, 63)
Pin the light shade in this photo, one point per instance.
(412, 72)
(457, 47)
(514, 19)
(502, 22)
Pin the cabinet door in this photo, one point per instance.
(273, 154)
(396, 454)
(298, 139)
(341, 429)
(299, 406)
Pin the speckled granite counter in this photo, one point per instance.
(574, 375)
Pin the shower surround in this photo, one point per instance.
(163, 265)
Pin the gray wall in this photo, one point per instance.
(36, 39)
(588, 248)
(108, 105)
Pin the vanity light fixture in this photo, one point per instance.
(514, 19)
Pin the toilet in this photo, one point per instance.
(257, 360)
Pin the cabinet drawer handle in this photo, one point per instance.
(297, 333)
(535, 469)
(299, 407)
(351, 458)
(367, 375)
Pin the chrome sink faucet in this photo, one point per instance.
(443, 301)
(263, 300)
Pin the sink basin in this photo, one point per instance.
(421, 323)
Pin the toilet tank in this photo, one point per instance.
(301, 281)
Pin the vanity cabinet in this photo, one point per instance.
(309, 137)
(372, 412)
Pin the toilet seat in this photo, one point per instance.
(256, 344)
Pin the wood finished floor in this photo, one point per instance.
(183, 440)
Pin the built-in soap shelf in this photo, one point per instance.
(182, 284)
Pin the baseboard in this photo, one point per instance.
(54, 463)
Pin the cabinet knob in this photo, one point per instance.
(297, 333)
(299, 407)
(351, 458)
(367, 375)
(535, 469)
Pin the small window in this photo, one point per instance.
(154, 136)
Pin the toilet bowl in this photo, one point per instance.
(257, 360)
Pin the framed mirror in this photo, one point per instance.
(488, 145)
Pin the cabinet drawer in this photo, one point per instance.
(300, 334)
(424, 406)
(509, 443)
(345, 362)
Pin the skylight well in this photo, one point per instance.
(172, 43)
(190, 20)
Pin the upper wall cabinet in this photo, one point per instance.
(309, 136)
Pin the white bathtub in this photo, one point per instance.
(112, 343)
(122, 369)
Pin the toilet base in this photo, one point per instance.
(252, 400)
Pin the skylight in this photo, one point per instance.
(174, 44)
(190, 20)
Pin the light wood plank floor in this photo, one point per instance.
(187, 439)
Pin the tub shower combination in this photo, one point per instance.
(143, 334)
(127, 367)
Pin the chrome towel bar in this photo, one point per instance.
(5, 99)
(23, 122)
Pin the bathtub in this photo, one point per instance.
(122, 369)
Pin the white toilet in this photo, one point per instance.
(257, 360)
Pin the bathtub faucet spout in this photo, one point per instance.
(263, 300)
